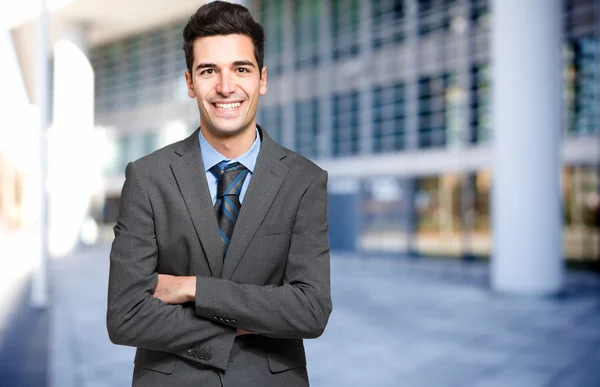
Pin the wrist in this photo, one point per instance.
(192, 289)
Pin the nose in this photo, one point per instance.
(226, 84)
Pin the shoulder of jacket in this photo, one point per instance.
(157, 160)
(301, 164)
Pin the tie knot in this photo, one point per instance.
(230, 178)
(219, 169)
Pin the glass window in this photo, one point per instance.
(480, 13)
(151, 141)
(434, 15)
(157, 55)
(432, 111)
(306, 33)
(122, 152)
(307, 127)
(113, 156)
(481, 119)
(582, 90)
(581, 208)
(139, 69)
(387, 18)
(131, 146)
(132, 80)
(345, 25)
(106, 64)
(346, 120)
(386, 215)
(176, 50)
(442, 206)
(388, 118)
(272, 20)
(270, 118)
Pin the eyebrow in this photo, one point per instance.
(236, 64)
(205, 66)
(243, 63)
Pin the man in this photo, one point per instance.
(220, 263)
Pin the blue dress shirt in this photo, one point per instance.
(210, 158)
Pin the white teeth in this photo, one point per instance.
(228, 106)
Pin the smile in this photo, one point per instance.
(227, 106)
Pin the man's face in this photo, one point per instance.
(226, 82)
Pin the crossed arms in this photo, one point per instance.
(152, 311)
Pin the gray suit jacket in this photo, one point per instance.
(274, 280)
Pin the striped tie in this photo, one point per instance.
(230, 179)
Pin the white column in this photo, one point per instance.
(39, 283)
(74, 171)
(527, 108)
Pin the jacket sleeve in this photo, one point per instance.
(134, 317)
(300, 308)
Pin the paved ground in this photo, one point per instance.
(395, 323)
(24, 345)
(23, 329)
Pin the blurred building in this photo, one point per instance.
(392, 97)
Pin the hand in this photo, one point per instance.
(172, 289)
(241, 332)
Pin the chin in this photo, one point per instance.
(228, 130)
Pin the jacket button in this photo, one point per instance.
(191, 352)
(234, 321)
(207, 356)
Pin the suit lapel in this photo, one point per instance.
(191, 179)
(267, 178)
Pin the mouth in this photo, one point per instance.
(228, 108)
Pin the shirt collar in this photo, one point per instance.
(210, 157)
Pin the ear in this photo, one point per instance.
(263, 81)
(190, 84)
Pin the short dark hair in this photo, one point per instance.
(222, 18)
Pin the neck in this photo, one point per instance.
(232, 146)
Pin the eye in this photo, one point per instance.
(207, 72)
(242, 70)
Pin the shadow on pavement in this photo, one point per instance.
(24, 345)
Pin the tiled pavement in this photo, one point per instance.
(23, 329)
(395, 323)
(24, 344)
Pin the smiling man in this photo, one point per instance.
(220, 264)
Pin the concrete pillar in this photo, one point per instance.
(411, 59)
(527, 108)
(411, 81)
(73, 171)
(463, 30)
(365, 135)
(325, 86)
(287, 80)
(468, 192)
(409, 213)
